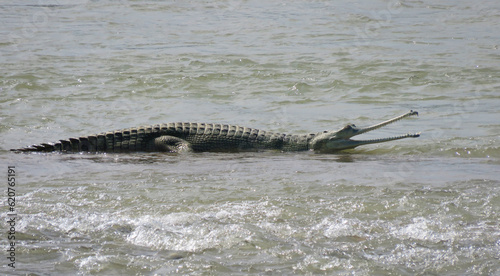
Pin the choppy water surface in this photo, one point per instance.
(421, 206)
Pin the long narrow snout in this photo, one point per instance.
(332, 141)
(382, 124)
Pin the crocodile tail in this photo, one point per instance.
(92, 143)
(125, 140)
(44, 147)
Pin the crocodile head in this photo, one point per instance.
(331, 141)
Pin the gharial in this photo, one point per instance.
(198, 137)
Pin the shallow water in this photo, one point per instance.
(417, 206)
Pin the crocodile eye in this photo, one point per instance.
(353, 125)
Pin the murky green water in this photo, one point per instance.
(422, 206)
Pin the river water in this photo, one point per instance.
(421, 206)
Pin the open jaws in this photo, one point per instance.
(358, 131)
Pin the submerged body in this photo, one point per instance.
(198, 137)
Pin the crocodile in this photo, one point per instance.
(199, 137)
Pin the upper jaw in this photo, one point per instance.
(349, 143)
(379, 125)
